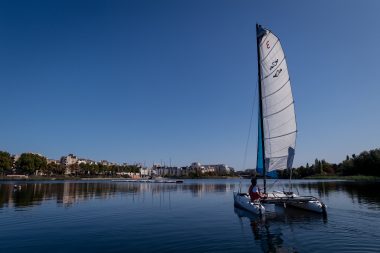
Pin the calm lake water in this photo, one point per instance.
(196, 216)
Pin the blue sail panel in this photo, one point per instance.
(260, 153)
(272, 174)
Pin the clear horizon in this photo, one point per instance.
(160, 81)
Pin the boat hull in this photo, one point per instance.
(243, 200)
(312, 205)
(303, 202)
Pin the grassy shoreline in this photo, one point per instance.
(354, 177)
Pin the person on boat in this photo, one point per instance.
(254, 190)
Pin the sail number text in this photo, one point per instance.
(273, 65)
(278, 71)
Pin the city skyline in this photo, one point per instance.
(88, 160)
(174, 81)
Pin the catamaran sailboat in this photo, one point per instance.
(277, 127)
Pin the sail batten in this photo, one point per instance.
(267, 116)
(274, 137)
(277, 114)
(277, 90)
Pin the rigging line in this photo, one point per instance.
(277, 180)
(274, 45)
(269, 138)
(277, 89)
(283, 59)
(290, 180)
(249, 129)
(266, 116)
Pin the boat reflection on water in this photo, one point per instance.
(269, 230)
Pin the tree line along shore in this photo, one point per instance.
(36, 165)
(365, 166)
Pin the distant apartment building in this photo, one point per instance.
(72, 159)
(208, 169)
(173, 171)
(85, 161)
(195, 168)
(146, 172)
(106, 163)
(69, 160)
(52, 161)
(219, 169)
(165, 171)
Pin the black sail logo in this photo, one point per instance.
(277, 73)
(274, 64)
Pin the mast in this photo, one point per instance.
(258, 27)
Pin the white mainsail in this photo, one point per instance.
(279, 122)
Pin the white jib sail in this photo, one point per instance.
(279, 122)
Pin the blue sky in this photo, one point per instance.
(160, 81)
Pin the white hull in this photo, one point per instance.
(243, 200)
(313, 204)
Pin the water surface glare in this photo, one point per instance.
(196, 216)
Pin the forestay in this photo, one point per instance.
(279, 123)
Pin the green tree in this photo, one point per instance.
(327, 168)
(28, 163)
(55, 169)
(317, 167)
(75, 169)
(6, 162)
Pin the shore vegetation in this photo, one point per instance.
(365, 166)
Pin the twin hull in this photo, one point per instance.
(242, 200)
